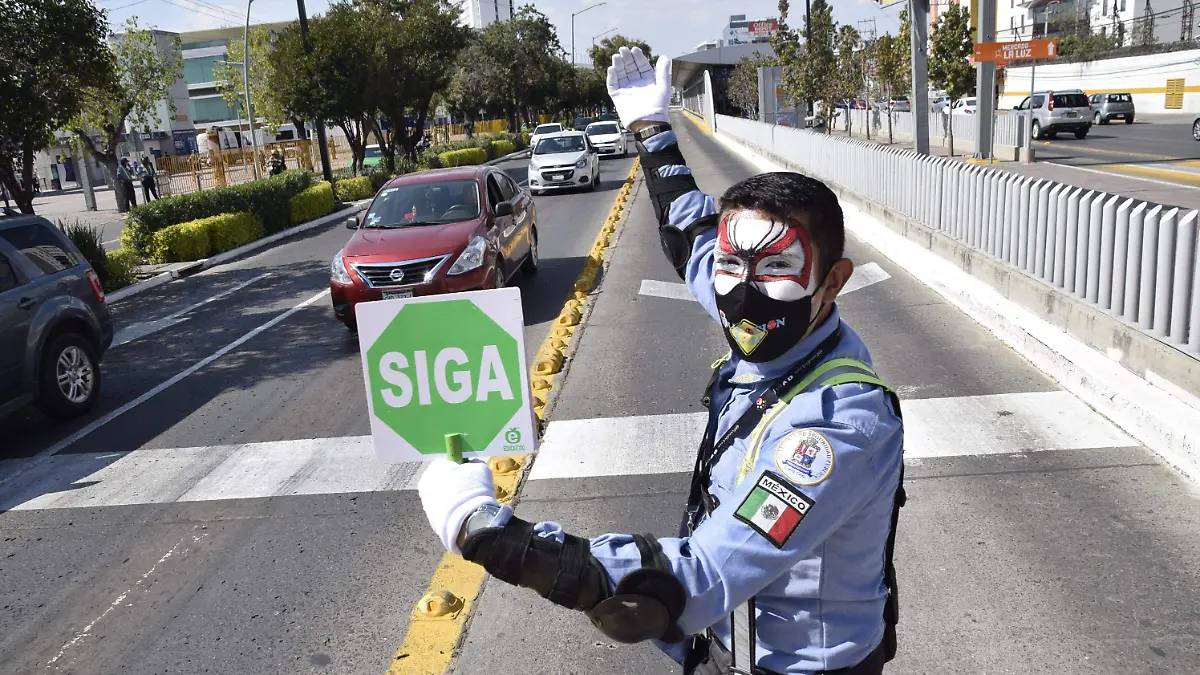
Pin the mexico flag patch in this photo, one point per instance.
(774, 508)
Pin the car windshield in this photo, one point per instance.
(581, 122)
(416, 204)
(371, 152)
(548, 129)
(1120, 98)
(1070, 101)
(602, 130)
(551, 146)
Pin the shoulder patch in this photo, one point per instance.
(805, 457)
(773, 508)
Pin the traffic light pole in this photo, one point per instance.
(326, 171)
(918, 11)
(985, 83)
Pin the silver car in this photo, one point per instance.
(1112, 106)
(563, 160)
(1057, 112)
(1196, 128)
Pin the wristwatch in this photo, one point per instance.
(480, 519)
(652, 130)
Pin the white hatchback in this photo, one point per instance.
(563, 160)
(607, 137)
(541, 131)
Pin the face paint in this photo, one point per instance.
(765, 284)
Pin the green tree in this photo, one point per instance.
(472, 91)
(950, 67)
(60, 49)
(789, 53)
(267, 107)
(849, 67)
(743, 83)
(526, 57)
(818, 79)
(602, 53)
(145, 66)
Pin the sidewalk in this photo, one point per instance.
(67, 206)
(1147, 189)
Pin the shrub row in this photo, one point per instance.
(463, 157)
(502, 148)
(115, 268)
(268, 198)
(312, 203)
(204, 237)
(120, 267)
(354, 189)
(431, 158)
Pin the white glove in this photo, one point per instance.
(639, 92)
(451, 492)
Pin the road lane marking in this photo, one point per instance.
(97, 423)
(613, 446)
(120, 599)
(138, 330)
(864, 275)
(1114, 174)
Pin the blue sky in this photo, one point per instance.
(671, 27)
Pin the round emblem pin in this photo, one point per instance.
(805, 457)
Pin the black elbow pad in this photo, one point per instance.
(664, 189)
(677, 243)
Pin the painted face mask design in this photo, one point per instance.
(765, 283)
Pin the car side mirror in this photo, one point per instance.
(504, 209)
(1016, 107)
(352, 223)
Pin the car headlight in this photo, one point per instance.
(471, 257)
(337, 270)
(583, 162)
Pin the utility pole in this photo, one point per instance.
(807, 41)
(246, 83)
(985, 82)
(326, 171)
(868, 68)
(918, 12)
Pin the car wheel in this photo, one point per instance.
(69, 378)
(1129, 119)
(1097, 119)
(1082, 133)
(530, 265)
(500, 280)
(595, 181)
(1036, 130)
(1196, 130)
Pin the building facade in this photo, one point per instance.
(739, 31)
(479, 13)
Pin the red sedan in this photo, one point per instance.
(441, 231)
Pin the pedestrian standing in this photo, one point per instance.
(125, 177)
(148, 174)
(783, 563)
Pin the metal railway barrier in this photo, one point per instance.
(1134, 260)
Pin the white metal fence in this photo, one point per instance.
(1009, 126)
(1134, 260)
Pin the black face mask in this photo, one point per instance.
(759, 328)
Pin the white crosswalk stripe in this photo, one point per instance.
(621, 446)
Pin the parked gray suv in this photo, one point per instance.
(1058, 111)
(54, 325)
(1112, 106)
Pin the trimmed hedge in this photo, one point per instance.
(180, 243)
(463, 157)
(267, 198)
(502, 148)
(204, 237)
(311, 204)
(353, 189)
(431, 158)
(121, 267)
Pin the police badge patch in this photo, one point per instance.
(805, 457)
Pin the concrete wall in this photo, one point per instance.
(1143, 76)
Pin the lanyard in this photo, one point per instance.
(710, 453)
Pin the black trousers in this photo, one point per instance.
(717, 662)
(149, 188)
(130, 192)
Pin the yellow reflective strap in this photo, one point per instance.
(851, 378)
(824, 368)
(721, 361)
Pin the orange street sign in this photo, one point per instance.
(1007, 52)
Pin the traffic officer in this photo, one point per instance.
(784, 562)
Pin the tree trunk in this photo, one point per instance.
(950, 126)
(107, 157)
(110, 170)
(19, 188)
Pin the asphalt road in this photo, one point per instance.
(221, 510)
(1155, 147)
(1038, 538)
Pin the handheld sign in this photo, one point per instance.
(446, 374)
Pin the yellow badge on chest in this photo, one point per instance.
(747, 335)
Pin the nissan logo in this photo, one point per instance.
(397, 275)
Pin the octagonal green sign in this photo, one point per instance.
(449, 364)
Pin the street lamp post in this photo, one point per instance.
(601, 35)
(573, 27)
(246, 82)
(326, 170)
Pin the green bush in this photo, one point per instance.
(120, 268)
(180, 243)
(268, 198)
(231, 230)
(463, 157)
(502, 148)
(90, 243)
(354, 189)
(311, 204)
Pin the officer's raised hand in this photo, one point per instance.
(639, 92)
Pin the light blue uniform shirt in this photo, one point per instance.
(819, 594)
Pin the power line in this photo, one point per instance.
(225, 10)
(197, 10)
(114, 9)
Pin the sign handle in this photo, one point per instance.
(454, 448)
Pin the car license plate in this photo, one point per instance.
(397, 295)
(1072, 113)
(557, 176)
